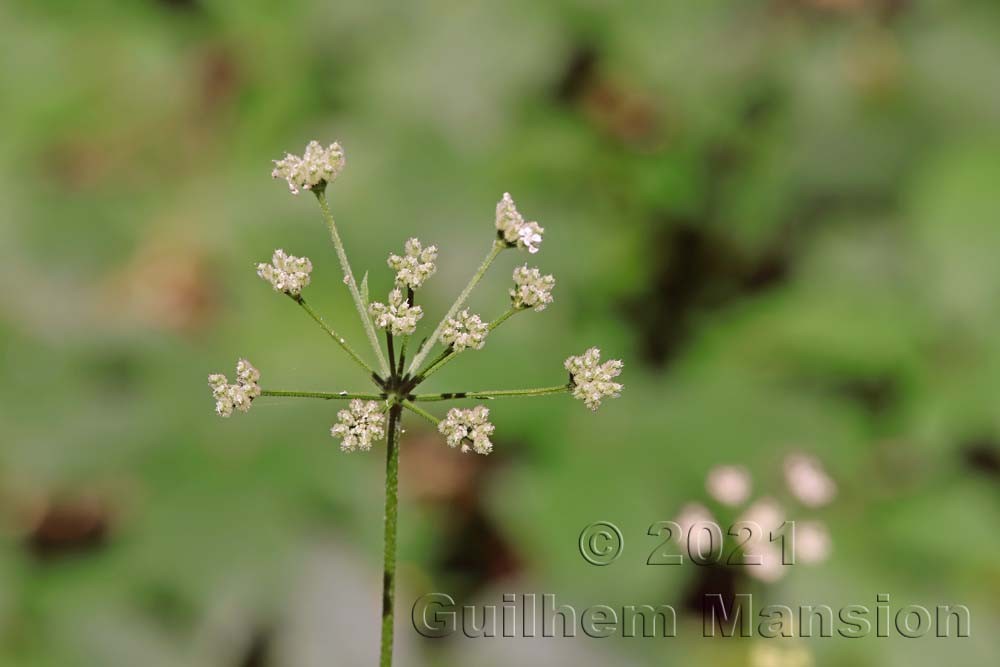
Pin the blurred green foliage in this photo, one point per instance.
(783, 215)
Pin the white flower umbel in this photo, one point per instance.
(316, 166)
(531, 288)
(513, 229)
(238, 396)
(286, 273)
(461, 425)
(415, 266)
(398, 317)
(465, 331)
(398, 370)
(593, 381)
(360, 425)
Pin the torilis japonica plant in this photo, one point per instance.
(376, 415)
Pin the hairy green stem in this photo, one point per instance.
(326, 395)
(446, 355)
(410, 299)
(420, 411)
(503, 318)
(337, 338)
(480, 272)
(391, 517)
(352, 285)
(501, 393)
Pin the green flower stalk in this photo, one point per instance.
(376, 415)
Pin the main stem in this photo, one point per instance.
(391, 516)
(352, 285)
(480, 272)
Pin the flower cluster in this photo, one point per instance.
(513, 229)
(360, 425)
(465, 331)
(415, 266)
(317, 166)
(471, 425)
(592, 380)
(286, 273)
(531, 289)
(365, 421)
(730, 486)
(398, 317)
(236, 396)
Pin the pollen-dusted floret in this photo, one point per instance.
(239, 396)
(415, 266)
(513, 229)
(531, 289)
(592, 380)
(360, 425)
(317, 165)
(465, 331)
(398, 318)
(247, 375)
(472, 425)
(286, 273)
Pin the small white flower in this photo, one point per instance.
(765, 559)
(513, 229)
(416, 266)
(472, 424)
(360, 425)
(286, 273)
(812, 542)
(246, 374)
(531, 288)
(766, 513)
(592, 380)
(465, 331)
(399, 317)
(808, 481)
(239, 396)
(691, 515)
(318, 165)
(728, 484)
(770, 567)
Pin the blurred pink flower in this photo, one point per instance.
(690, 515)
(729, 484)
(812, 542)
(808, 481)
